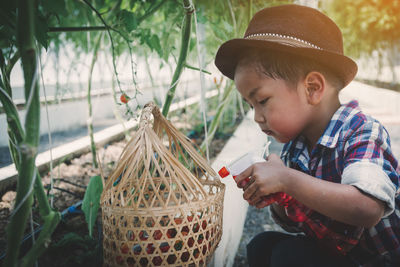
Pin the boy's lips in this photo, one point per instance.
(268, 132)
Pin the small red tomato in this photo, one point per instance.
(196, 253)
(200, 239)
(190, 218)
(171, 233)
(196, 227)
(171, 259)
(204, 249)
(164, 247)
(137, 249)
(119, 260)
(157, 261)
(124, 98)
(150, 248)
(178, 245)
(157, 235)
(178, 220)
(185, 230)
(204, 224)
(190, 242)
(143, 235)
(124, 249)
(185, 256)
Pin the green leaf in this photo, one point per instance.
(41, 29)
(91, 201)
(129, 20)
(154, 43)
(55, 7)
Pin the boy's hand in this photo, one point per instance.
(266, 178)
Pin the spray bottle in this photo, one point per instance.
(245, 161)
(293, 209)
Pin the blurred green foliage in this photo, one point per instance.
(367, 25)
(153, 25)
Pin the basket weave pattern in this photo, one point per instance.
(156, 211)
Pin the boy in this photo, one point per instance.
(337, 162)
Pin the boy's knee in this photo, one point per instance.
(260, 247)
(289, 253)
(264, 240)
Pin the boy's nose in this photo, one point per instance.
(258, 116)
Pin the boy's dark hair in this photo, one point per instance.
(287, 66)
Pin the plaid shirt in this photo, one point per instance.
(354, 149)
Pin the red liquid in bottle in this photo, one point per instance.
(241, 164)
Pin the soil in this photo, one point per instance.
(71, 245)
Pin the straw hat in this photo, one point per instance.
(294, 29)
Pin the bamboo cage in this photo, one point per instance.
(163, 203)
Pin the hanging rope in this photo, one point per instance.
(33, 234)
(203, 89)
(48, 132)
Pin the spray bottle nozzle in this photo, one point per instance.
(223, 172)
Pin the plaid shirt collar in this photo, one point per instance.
(297, 148)
(332, 132)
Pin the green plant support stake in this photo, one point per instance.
(186, 29)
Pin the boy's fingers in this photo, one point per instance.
(254, 198)
(263, 203)
(242, 176)
(249, 192)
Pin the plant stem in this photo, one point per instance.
(151, 11)
(28, 147)
(11, 64)
(111, 40)
(16, 133)
(89, 100)
(77, 29)
(186, 29)
(50, 223)
(194, 68)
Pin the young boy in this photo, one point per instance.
(337, 162)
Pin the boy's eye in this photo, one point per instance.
(262, 102)
(248, 103)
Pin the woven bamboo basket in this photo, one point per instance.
(156, 211)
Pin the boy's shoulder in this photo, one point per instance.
(350, 123)
(358, 125)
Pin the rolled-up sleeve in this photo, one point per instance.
(369, 164)
(371, 179)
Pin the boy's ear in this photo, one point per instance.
(315, 87)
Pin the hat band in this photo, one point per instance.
(282, 39)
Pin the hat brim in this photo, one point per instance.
(230, 53)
